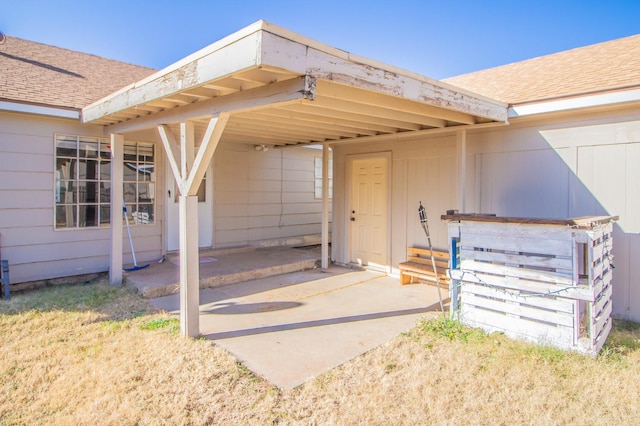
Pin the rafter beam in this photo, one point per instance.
(377, 111)
(395, 103)
(294, 90)
(316, 109)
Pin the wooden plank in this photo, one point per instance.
(206, 150)
(426, 252)
(171, 149)
(189, 267)
(602, 300)
(601, 319)
(211, 63)
(511, 271)
(431, 101)
(556, 304)
(427, 262)
(293, 90)
(602, 337)
(580, 292)
(429, 116)
(548, 232)
(117, 167)
(583, 222)
(531, 331)
(527, 245)
(562, 263)
(523, 312)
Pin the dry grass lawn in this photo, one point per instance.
(94, 355)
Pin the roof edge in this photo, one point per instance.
(53, 111)
(597, 99)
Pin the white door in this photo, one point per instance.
(368, 213)
(205, 212)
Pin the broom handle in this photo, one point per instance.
(126, 220)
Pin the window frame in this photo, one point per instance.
(317, 178)
(75, 177)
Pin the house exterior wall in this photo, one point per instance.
(567, 166)
(571, 166)
(265, 198)
(261, 198)
(28, 240)
(421, 171)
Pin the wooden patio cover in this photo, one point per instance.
(265, 85)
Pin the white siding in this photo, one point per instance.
(28, 240)
(265, 198)
(423, 170)
(556, 168)
(587, 165)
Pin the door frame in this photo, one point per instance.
(348, 238)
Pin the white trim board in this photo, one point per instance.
(41, 110)
(575, 103)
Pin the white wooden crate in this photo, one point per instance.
(547, 282)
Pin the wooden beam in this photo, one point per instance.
(401, 136)
(171, 149)
(396, 103)
(117, 165)
(189, 267)
(461, 165)
(326, 111)
(325, 206)
(377, 111)
(300, 123)
(187, 149)
(214, 62)
(294, 90)
(275, 126)
(208, 146)
(321, 119)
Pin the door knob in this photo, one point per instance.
(353, 219)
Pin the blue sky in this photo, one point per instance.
(436, 38)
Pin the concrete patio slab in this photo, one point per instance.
(220, 267)
(293, 327)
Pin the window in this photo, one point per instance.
(139, 182)
(318, 177)
(83, 182)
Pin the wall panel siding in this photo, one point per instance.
(270, 202)
(569, 167)
(28, 240)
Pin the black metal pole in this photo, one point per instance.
(422, 213)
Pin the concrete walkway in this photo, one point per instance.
(293, 327)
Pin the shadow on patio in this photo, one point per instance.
(292, 327)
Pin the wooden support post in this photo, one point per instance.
(325, 206)
(189, 172)
(189, 267)
(461, 154)
(115, 265)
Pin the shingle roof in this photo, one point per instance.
(600, 67)
(37, 73)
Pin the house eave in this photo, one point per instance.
(597, 100)
(264, 55)
(52, 111)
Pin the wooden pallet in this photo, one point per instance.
(418, 266)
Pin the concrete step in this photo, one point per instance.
(223, 269)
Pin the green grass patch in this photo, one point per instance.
(68, 297)
(451, 329)
(172, 325)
